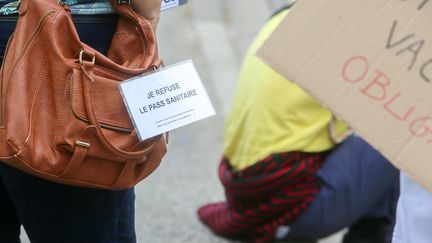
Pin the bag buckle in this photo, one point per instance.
(81, 55)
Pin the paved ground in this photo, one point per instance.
(215, 35)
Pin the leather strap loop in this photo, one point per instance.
(78, 156)
(79, 153)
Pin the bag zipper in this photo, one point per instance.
(5, 82)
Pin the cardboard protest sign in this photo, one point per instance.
(370, 62)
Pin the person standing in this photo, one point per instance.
(51, 212)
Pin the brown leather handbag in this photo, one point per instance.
(62, 116)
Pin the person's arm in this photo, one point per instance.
(150, 9)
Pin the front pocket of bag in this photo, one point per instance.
(107, 103)
(110, 112)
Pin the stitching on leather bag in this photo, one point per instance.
(50, 175)
(42, 74)
(18, 63)
(35, 103)
(13, 146)
(110, 73)
(11, 84)
(118, 37)
(60, 120)
(82, 116)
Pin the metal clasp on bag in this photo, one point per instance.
(82, 144)
(81, 61)
(156, 68)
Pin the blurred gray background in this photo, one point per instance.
(215, 35)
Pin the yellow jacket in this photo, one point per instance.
(270, 114)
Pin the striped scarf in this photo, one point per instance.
(260, 198)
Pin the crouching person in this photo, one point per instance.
(291, 171)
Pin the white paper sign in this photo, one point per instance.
(167, 99)
(166, 4)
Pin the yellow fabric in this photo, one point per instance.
(270, 114)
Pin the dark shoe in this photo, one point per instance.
(369, 230)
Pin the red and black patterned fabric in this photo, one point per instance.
(271, 193)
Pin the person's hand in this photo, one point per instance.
(150, 9)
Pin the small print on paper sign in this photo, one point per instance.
(167, 99)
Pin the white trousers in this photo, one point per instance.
(414, 213)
